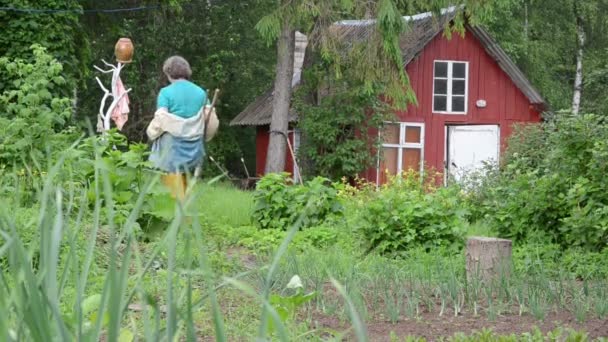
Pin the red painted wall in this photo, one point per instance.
(506, 104)
(261, 145)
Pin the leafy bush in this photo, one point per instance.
(124, 164)
(279, 204)
(552, 184)
(62, 35)
(31, 108)
(404, 214)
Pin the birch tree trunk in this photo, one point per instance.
(526, 22)
(578, 80)
(277, 146)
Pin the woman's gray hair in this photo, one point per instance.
(176, 67)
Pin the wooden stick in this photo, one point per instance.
(293, 157)
(208, 115)
(215, 95)
(198, 171)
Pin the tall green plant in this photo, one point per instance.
(38, 300)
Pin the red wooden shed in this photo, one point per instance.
(470, 94)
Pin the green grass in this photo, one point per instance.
(480, 229)
(222, 204)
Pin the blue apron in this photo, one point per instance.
(173, 155)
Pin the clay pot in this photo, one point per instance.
(124, 50)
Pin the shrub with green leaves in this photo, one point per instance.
(125, 165)
(279, 203)
(552, 184)
(31, 107)
(405, 213)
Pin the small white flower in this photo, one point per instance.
(295, 282)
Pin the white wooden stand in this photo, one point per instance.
(103, 122)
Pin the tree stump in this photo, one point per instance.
(488, 258)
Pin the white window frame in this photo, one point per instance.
(402, 145)
(449, 80)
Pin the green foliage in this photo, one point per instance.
(335, 127)
(405, 214)
(546, 49)
(59, 33)
(287, 305)
(32, 109)
(125, 168)
(262, 242)
(595, 82)
(551, 185)
(487, 335)
(541, 257)
(280, 204)
(50, 289)
(124, 165)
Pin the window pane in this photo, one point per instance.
(458, 104)
(458, 87)
(391, 133)
(459, 70)
(440, 103)
(441, 69)
(441, 87)
(411, 159)
(413, 134)
(389, 161)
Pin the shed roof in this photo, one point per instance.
(422, 29)
(259, 112)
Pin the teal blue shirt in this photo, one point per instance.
(182, 98)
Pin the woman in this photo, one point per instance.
(178, 126)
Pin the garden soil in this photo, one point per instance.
(433, 327)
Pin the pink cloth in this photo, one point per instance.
(120, 114)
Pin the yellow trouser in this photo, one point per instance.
(177, 184)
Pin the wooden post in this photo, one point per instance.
(488, 258)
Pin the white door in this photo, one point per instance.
(469, 148)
